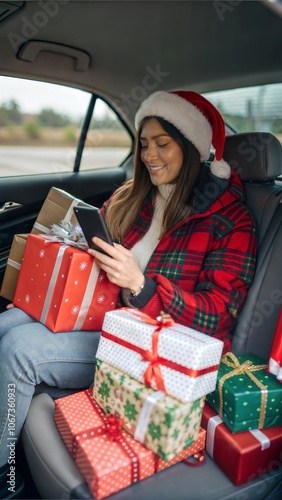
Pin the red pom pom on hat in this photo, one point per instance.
(196, 118)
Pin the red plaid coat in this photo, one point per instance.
(204, 265)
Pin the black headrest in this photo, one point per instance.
(255, 156)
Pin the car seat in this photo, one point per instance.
(257, 157)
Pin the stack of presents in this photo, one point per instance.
(162, 392)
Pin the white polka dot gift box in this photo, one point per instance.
(62, 286)
(160, 353)
(246, 396)
(160, 422)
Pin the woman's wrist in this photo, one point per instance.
(147, 292)
(145, 295)
(138, 289)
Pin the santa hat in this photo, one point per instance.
(196, 118)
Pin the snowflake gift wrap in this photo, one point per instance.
(63, 287)
(166, 356)
(161, 423)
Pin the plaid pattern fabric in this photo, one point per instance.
(205, 265)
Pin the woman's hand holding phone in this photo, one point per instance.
(119, 264)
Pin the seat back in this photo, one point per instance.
(257, 158)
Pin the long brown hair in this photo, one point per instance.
(127, 202)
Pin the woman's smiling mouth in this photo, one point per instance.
(155, 169)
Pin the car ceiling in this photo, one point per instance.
(201, 45)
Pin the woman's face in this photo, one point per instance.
(161, 154)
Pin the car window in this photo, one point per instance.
(107, 143)
(250, 109)
(40, 126)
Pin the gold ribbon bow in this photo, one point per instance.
(246, 368)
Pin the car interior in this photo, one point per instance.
(117, 53)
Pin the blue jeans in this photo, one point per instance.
(31, 354)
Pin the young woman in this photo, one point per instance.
(187, 246)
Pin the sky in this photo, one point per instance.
(34, 96)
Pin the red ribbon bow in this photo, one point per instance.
(154, 371)
(113, 427)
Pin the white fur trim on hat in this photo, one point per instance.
(183, 115)
(220, 168)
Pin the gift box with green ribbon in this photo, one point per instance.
(246, 395)
(161, 423)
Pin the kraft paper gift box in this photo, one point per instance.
(107, 462)
(57, 207)
(246, 396)
(160, 353)
(12, 270)
(244, 455)
(63, 287)
(159, 422)
(107, 465)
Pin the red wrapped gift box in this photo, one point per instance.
(62, 286)
(275, 357)
(107, 465)
(244, 455)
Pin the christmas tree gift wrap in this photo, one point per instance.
(63, 287)
(246, 396)
(244, 455)
(162, 354)
(194, 450)
(163, 424)
(107, 456)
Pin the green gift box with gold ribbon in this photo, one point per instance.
(161, 423)
(246, 395)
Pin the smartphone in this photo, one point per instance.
(92, 224)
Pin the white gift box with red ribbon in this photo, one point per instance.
(162, 354)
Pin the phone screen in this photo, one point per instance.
(92, 224)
